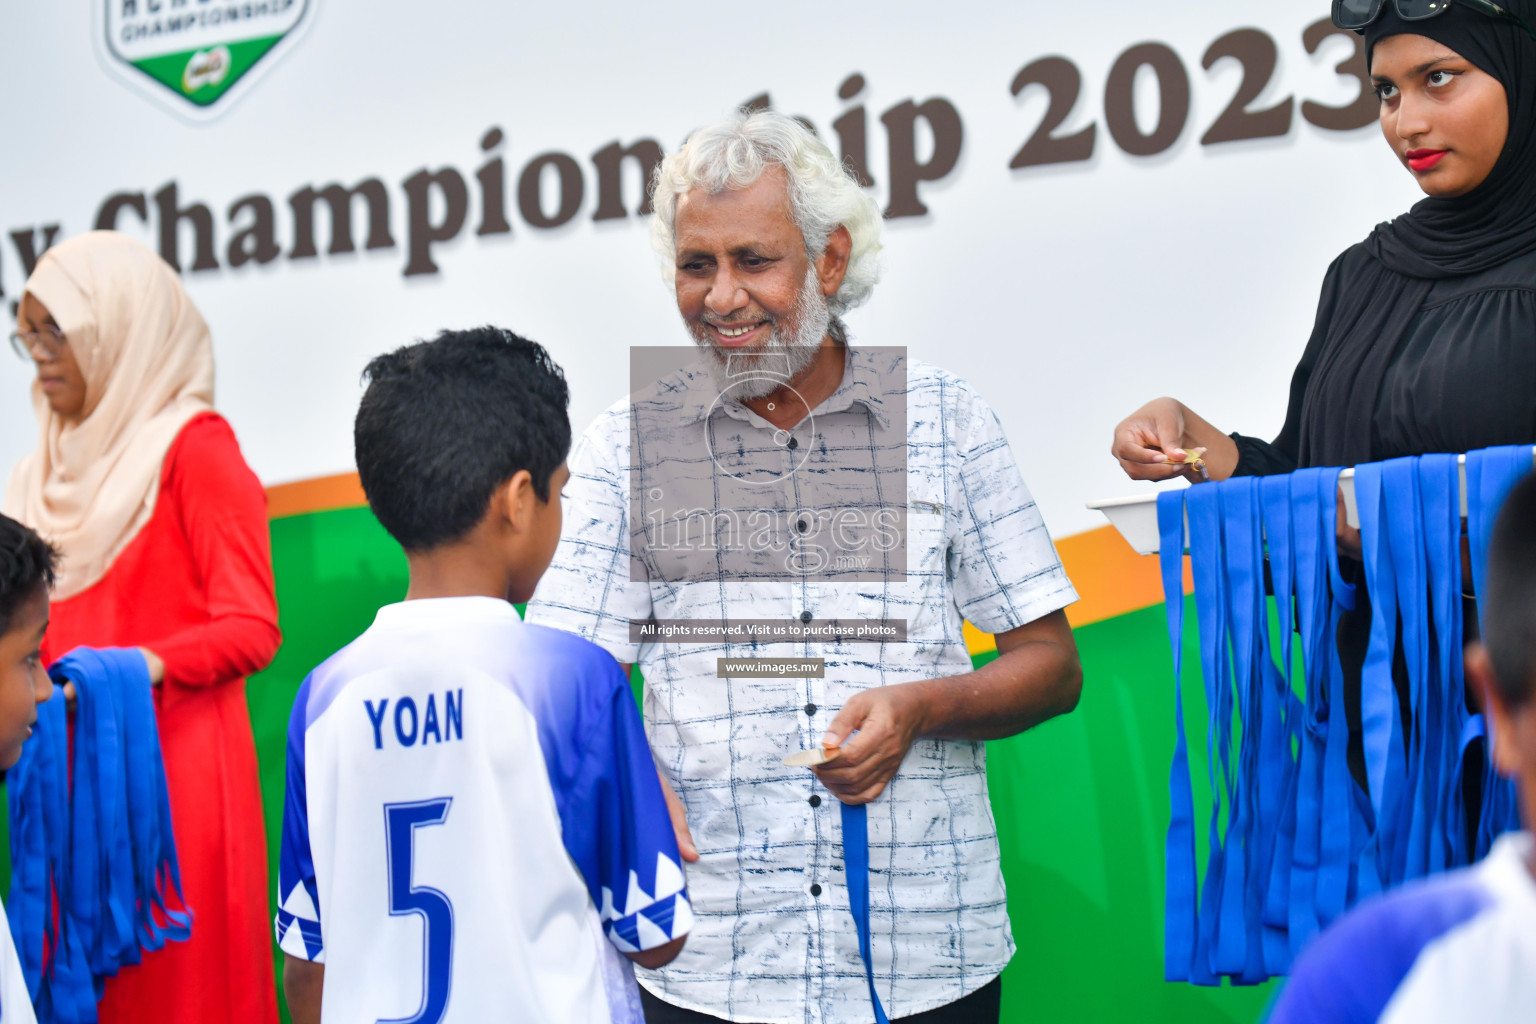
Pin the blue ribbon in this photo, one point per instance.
(102, 856)
(1294, 839)
(1440, 706)
(1343, 807)
(856, 863)
(1380, 719)
(1180, 922)
(1239, 951)
(121, 813)
(1278, 530)
(1202, 504)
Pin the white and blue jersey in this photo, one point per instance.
(1457, 947)
(15, 1002)
(474, 828)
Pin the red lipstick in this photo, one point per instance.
(1421, 160)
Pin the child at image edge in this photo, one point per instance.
(1459, 946)
(26, 574)
(474, 828)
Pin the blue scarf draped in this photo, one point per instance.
(1293, 839)
(94, 871)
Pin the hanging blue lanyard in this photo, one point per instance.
(47, 945)
(1239, 952)
(1380, 719)
(1224, 930)
(1346, 877)
(1404, 503)
(92, 838)
(121, 820)
(856, 863)
(1440, 721)
(1310, 583)
(1275, 493)
(1211, 603)
(1280, 719)
(1426, 524)
(1180, 873)
(1294, 838)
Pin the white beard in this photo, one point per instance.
(788, 352)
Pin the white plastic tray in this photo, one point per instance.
(1136, 518)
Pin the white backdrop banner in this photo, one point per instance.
(1088, 205)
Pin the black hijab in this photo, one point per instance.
(1375, 289)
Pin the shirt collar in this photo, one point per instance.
(695, 389)
(446, 609)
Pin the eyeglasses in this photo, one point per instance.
(1355, 15)
(49, 342)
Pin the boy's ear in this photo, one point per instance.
(514, 500)
(1501, 725)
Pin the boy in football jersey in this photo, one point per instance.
(26, 574)
(474, 827)
(1460, 946)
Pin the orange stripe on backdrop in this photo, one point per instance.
(1110, 578)
(321, 494)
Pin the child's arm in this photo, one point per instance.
(303, 981)
(297, 927)
(617, 827)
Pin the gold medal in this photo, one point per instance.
(1195, 457)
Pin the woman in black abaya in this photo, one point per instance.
(1425, 339)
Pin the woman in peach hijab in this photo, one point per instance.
(163, 530)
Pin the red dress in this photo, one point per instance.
(195, 586)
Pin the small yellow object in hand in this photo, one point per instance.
(1195, 457)
(813, 757)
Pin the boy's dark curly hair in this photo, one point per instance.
(27, 565)
(445, 422)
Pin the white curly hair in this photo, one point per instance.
(733, 153)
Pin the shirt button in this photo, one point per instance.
(802, 525)
(815, 800)
(793, 443)
(805, 616)
(815, 889)
(810, 709)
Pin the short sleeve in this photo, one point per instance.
(1005, 572)
(1351, 972)
(619, 834)
(587, 589)
(298, 914)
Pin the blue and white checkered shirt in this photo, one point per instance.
(773, 939)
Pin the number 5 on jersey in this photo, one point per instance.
(400, 824)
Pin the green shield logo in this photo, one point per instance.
(194, 53)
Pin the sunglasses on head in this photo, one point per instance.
(1357, 14)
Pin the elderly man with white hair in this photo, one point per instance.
(787, 492)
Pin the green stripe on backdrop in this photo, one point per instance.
(1081, 802)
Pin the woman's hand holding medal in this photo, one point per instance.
(1164, 439)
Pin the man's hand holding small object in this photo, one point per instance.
(864, 746)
